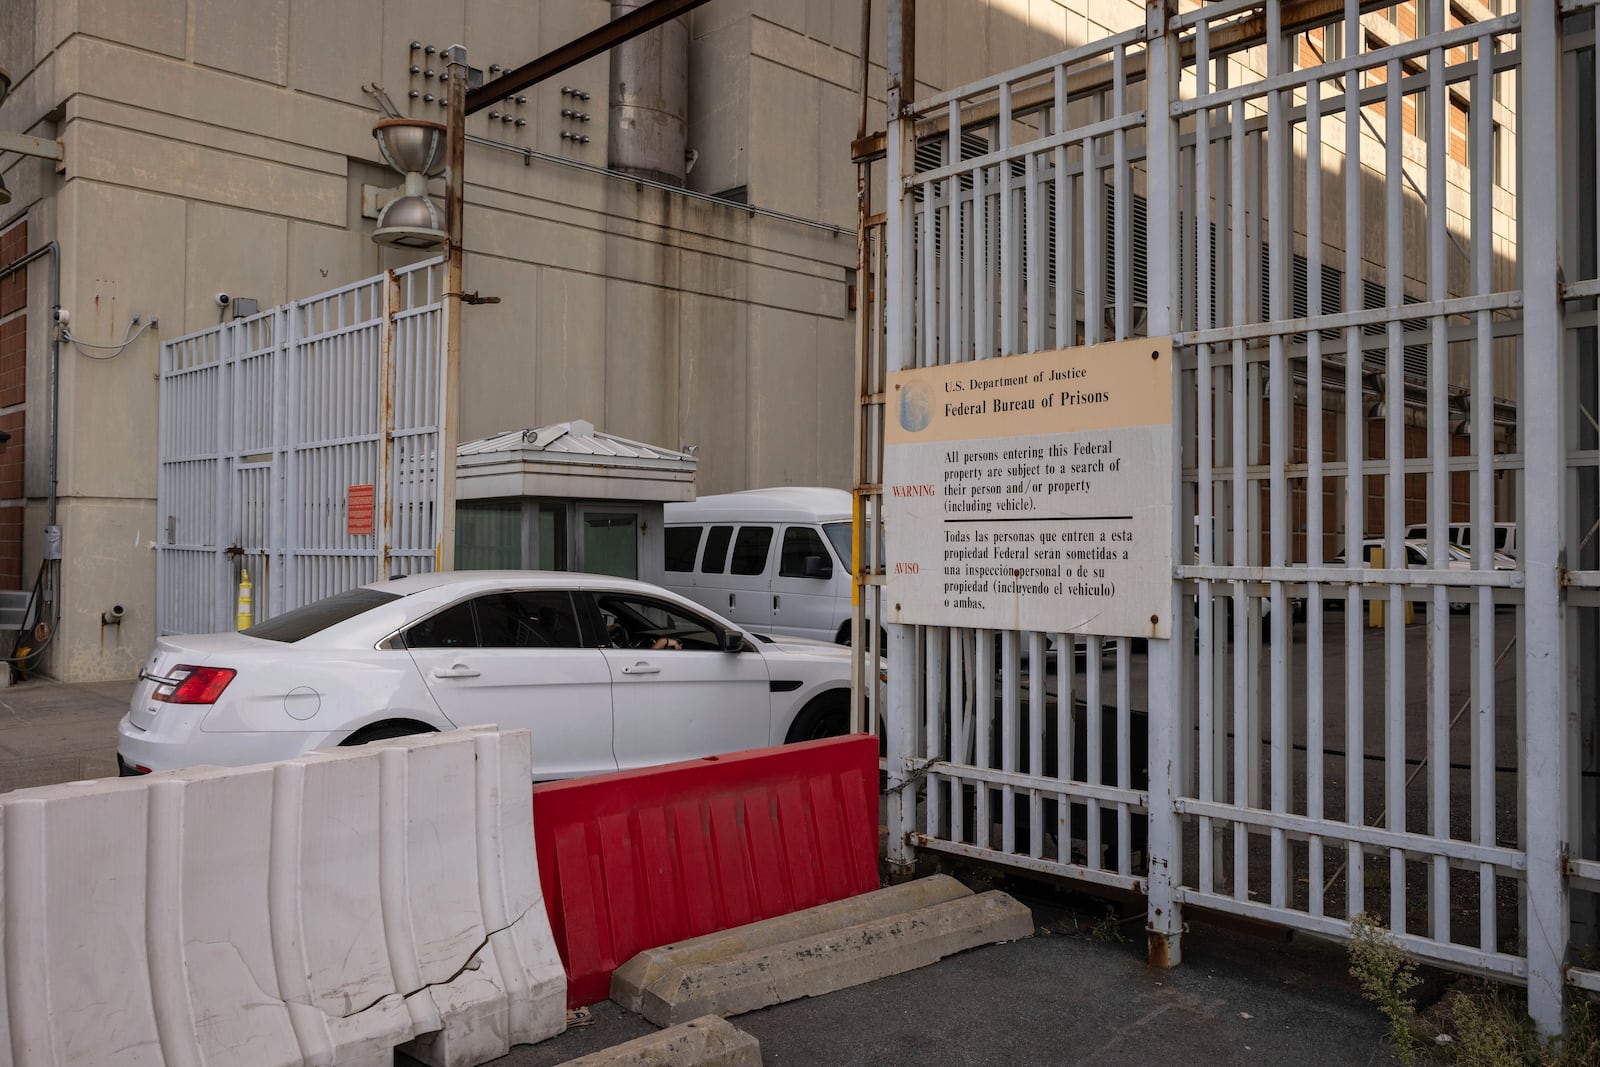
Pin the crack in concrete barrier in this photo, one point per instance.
(472, 959)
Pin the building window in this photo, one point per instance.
(1505, 156)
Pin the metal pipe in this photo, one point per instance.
(450, 416)
(576, 51)
(55, 357)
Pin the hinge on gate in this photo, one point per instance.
(233, 551)
(474, 298)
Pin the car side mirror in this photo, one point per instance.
(818, 567)
(730, 640)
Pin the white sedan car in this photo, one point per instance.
(607, 673)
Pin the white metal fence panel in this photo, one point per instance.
(1017, 228)
(266, 425)
(1369, 361)
(1580, 129)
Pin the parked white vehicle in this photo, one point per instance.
(1460, 535)
(1416, 549)
(1416, 552)
(772, 559)
(607, 673)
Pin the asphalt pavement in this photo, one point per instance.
(1061, 998)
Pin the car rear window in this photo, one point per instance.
(300, 623)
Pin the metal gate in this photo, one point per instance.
(1390, 356)
(300, 444)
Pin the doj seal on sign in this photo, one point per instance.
(915, 405)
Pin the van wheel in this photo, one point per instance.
(826, 716)
(382, 731)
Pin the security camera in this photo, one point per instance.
(61, 315)
(223, 300)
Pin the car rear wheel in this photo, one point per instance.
(826, 716)
(382, 731)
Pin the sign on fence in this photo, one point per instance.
(1034, 492)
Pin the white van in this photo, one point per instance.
(771, 560)
(1460, 535)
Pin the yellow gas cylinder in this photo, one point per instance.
(246, 606)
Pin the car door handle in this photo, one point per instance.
(455, 670)
(642, 668)
(730, 600)
(774, 603)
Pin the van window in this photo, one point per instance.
(798, 543)
(750, 550)
(682, 544)
(716, 554)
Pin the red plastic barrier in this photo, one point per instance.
(640, 859)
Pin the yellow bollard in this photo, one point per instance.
(246, 606)
(1377, 609)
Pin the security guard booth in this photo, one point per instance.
(566, 497)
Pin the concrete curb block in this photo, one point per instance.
(837, 959)
(709, 1041)
(629, 982)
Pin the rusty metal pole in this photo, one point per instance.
(900, 721)
(865, 709)
(450, 397)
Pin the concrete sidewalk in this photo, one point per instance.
(57, 732)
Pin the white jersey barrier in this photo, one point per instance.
(319, 911)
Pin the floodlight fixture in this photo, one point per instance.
(415, 148)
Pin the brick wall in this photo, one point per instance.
(13, 402)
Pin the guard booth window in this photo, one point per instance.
(750, 549)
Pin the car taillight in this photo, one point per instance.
(193, 685)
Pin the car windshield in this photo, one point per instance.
(300, 623)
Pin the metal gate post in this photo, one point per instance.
(224, 591)
(1164, 919)
(278, 493)
(899, 723)
(1544, 519)
(293, 459)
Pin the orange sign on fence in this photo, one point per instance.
(358, 510)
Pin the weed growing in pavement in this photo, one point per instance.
(1477, 1024)
(1386, 976)
(1107, 928)
(1492, 1029)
